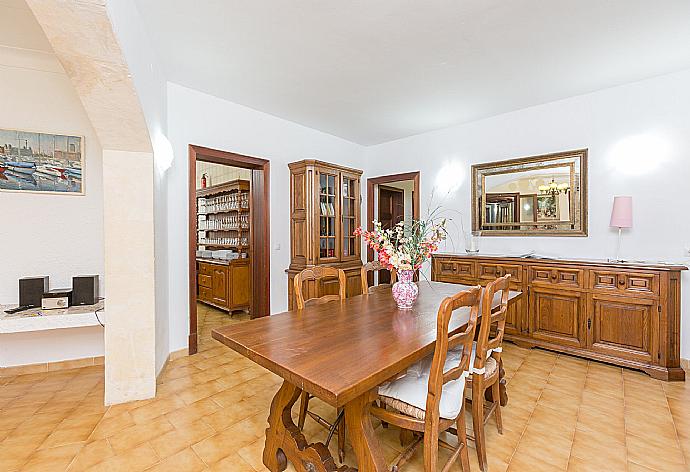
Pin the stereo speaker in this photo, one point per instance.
(31, 290)
(85, 290)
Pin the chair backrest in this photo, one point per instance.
(492, 317)
(437, 377)
(318, 275)
(374, 266)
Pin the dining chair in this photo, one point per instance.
(486, 363)
(318, 276)
(375, 266)
(429, 398)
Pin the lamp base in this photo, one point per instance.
(616, 260)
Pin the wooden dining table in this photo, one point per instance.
(340, 352)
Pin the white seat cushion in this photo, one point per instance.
(408, 393)
(490, 364)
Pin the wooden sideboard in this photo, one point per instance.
(224, 284)
(623, 313)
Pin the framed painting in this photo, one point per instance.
(548, 208)
(41, 162)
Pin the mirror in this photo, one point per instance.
(531, 196)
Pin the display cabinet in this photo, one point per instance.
(325, 206)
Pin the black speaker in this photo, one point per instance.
(31, 290)
(85, 290)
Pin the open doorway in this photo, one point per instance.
(391, 199)
(228, 239)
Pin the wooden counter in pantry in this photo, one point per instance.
(224, 284)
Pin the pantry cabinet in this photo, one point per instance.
(224, 284)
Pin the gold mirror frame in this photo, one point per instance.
(576, 160)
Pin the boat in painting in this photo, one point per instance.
(51, 171)
(22, 167)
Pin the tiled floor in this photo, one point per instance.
(210, 414)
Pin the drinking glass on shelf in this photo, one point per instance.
(472, 239)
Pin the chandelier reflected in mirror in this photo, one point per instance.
(553, 188)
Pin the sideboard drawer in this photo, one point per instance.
(449, 269)
(205, 293)
(206, 269)
(619, 281)
(205, 280)
(494, 271)
(565, 277)
(639, 282)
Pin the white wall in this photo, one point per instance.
(201, 119)
(53, 234)
(149, 80)
(638, 137)
(46, 234)
(55, 345)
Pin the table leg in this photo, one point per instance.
(285, 442)
(361, 434)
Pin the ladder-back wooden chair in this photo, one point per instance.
(487, 363)
(318, 275)
(429, 398)
(374, 266)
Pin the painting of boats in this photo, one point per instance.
(41, 162)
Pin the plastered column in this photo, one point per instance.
(129, 274)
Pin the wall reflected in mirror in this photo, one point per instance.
(540, 195)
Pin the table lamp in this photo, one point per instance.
(621, 217)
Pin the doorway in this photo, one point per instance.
(391, 199)
(229, 236)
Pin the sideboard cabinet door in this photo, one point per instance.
(219, 291)
(514, 315)
(624, 327)
(557, 316)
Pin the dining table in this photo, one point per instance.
(340, 352)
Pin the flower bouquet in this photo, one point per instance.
(405, 247)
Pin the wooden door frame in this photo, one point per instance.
(260, 234)
(386, 179)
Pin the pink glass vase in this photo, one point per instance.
(405, 291)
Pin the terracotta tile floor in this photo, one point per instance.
(210, 414)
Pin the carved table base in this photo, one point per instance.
(285, 442)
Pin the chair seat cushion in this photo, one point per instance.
(408, 393)
(490, 365)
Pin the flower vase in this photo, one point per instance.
(405, 291)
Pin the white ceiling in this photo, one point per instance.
(374, 71)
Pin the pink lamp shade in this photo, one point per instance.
(621, 215)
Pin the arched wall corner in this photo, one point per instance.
(82, 37)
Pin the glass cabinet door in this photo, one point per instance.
(328, 212)
(350, 216)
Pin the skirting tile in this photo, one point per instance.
(50, 366)
(685, 364)
(171, 357)
(178, 354)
